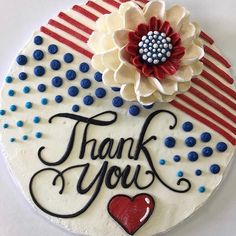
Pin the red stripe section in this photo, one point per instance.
(204, 121)
(84, 12)
(214, 93)
(112, 3)
(213, 103)
(144, 1)
(98, 8)
(216, 56)
(206, 37)
(68, 30)
(75, 23)
(217, 70)
(219, 84)
(67, 42)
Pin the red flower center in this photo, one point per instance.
(155, 49)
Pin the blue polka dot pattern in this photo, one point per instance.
(190, 141)
(177, 158)
(44, 101)
(215, 169)
(11, 93)
(201, 189)
(36, 119)
(198, 172)
(75, 108)
(5, 126)
(73, 91)
(57, 81)
(148, 107)
(38, 135)
(180, 174)
(100, 92)
(42, 88)
(39, 71)
(52, 49)
(221, 147)
(19, 123)
(58, 99)
(68, 58)
(13, 108)
(22, 76)
(26, 89)
(117, 102)
(98, 77)
(85, 83)
(38, 40)
(134, 110)
(70, 74)
(192, 156)
(170, 142)
(88, 100)
(115, 89)
(12, 140)
(38, 55)
(22, 60)
(9, 79)
(205, 137)
(187, 126)
(84, 67)
(207, 151)
(162, 162)
(2, 112)
(25, 137)
(55, 65)
(28, 105)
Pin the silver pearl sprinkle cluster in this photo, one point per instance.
(155, 47)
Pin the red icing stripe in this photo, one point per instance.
(85, 12)
(66, 42)
(217, 70)
(112, 3)
(144, 1)
(75, 23)
(206, 37)
(212, 103)
(216, 56)
(219, 84)
(204, 121)
(98, 8)
(68, 30)
(214, 92)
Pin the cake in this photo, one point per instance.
(119, 111)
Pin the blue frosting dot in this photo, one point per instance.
(148, 106)
(58, 99)
(205, 137)
(38, 55)
(2, 112)
(176, 158)
(88, 100)
(25, 137)
(115, 89)
(100, 92)
(201, 189)
(13, 107)
(28, 105)
(57, 81)
(98, 77)
(180, 174)
(68, 57)
(12, 140)
(170, 142)
(9, 79)
(38, 40)
(44, 101)
(75, 108)
(117, 102)
(190, 141)
(11, 93)
(21, 60)
(38, 135)
(39, 71)
(42, 88)
(55, 65)
(221, 147)
(73, 91)
(5, 126)
(214, 169)
(85, 83)
(192, 156)
(187, 126)
(134, 110)
(19, 123)
(36, 119)
(198, 172)
(26, 89)
(84, 67)
(70, 74)
(207, 151)
(52, 49)
(22, 76)
(162, 162)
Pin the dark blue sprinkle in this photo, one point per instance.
(117, 102)
(192, 156)
(58, 99)
(55, 65)
(13, 107)
(22, 76)
(205, 137)
(88, 100)
(162, 162)
(115, 89)
(84, 67)
(2, 112)
(44, 101)
(68, 57)
(207, 151)
(28, 105)
(57, 81)
(198, 172)
(202, 189)
(176, 158)
(215, 169)
(190, 141)
(75, 108)
(42, 88)
(187, 126)
(19, 123)
(73, 91)
(39, 71)
(148, 106)
(170, 142)
(36, 119)
(25, 137)
(21, 60)
(100, 92)
(5, 126)
(11, 93)
(85, 83)
(12, 140)
(9, 79)
(38, 40)
(38, 55)
(38, 135)
(70, 74)
(180, 174)
(134, 110)
(98, 77)
(26, 89)
(221, 147)
(52, 49)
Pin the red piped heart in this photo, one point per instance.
(131, 213)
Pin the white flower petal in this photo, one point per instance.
(107, 42)
(114, 21)
(110, 59)
(198, 28)
(95, 42)
(197, 68)
(144, 87)
(125, 7)
(168, 98)
(108, 78)
(183, 87)
(169, 86)
(185, 73)
(154, 8)
(97, 62)
(187, 33)
(127, 92)
(133, 17)
(146, 101)
(101, 24)
(120, 37)
(124, 55)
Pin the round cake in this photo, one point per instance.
(122, 111)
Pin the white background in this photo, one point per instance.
(18, 20)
